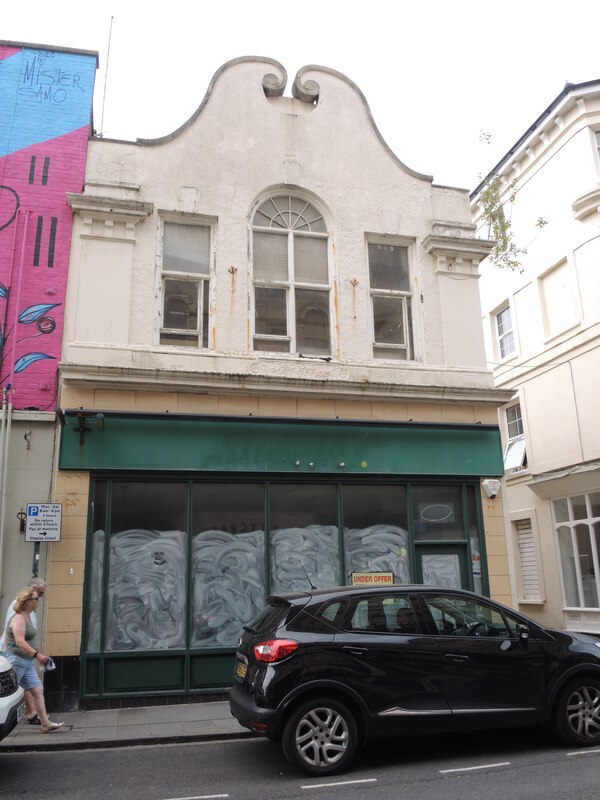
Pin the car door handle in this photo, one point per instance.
(456, 657)
(356, 651)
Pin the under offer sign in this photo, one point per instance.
(372, 578)
(43, 522)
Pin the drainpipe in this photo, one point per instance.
(4, 487)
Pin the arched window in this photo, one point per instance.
(291, 278)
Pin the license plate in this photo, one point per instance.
(20, 711)
(241, 669)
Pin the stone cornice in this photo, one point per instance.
(458, 255)
(113, 207)
(326, 386)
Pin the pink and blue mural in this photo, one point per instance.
(45, 112)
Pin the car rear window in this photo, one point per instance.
(319, 619)
(270, 617)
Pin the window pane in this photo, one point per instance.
(97, 566)
(595, 503)
(271, 346)
(285, 211)
(388, 318)
(441, 569)
(312, 322)
(474, 538)
(579, 507)
(388, 267)
(437, 513)
(586, 565)
(310, 260)
(506, 340)
(383, 614)
(561, 510)
(270, 315)
(228, 576)
(375, 531)
(270, 254)
(514, 421)
(567, 560)
(181, 305)
(304, 537)
(514, 457)
(205, 314)
(186, 248)
(462, 616)
(147, 566)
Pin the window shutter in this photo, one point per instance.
(529, 571)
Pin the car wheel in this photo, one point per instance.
(320, 737)
(578, 712)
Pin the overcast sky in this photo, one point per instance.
(435, 74)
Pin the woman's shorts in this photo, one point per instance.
(27, 677)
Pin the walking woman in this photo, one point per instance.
(21, 650)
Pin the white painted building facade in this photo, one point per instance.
(273, 331)
(542, 330)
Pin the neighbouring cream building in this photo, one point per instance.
(273, 373)
(542, 330)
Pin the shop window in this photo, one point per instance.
(186, 564)
(291, 278)
(515, 454)
(578, 532)
(304, 540)
(185, 284)
(505, 338)
(227, 575)
(437, 513)
(376, 535)
(147, 567)
(389, 283)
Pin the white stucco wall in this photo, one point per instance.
(555, 309)
(239, 147)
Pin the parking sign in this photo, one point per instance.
(43, 522)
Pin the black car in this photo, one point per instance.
(323, 670)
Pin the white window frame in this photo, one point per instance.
(405, 297)
(515, 452)
(571, 524)
(204, 285)
(290, 284)
(510, 332)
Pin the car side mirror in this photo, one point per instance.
(523, 636)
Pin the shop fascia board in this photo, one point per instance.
(183, 443)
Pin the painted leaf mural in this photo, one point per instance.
(28, 360)
(3, 291)
(33, 313)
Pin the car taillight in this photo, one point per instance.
(274, 650)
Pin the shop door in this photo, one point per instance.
(442, 565)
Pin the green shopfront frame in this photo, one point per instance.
(187, 536)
